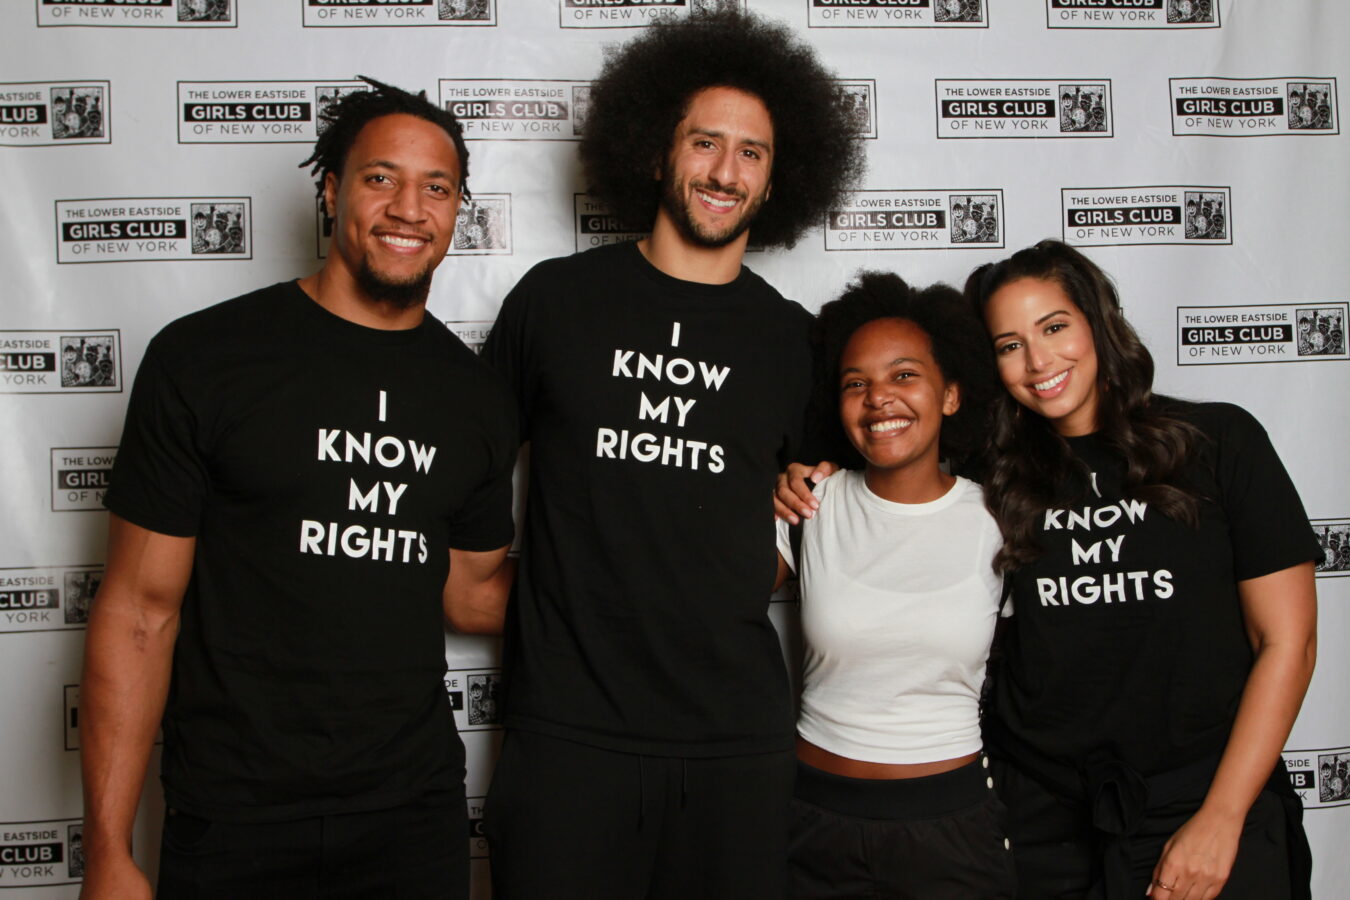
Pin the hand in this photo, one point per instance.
(1197, 860)
(114, 878)
(793, 494)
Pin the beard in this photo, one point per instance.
(676, 201)
(403, 294)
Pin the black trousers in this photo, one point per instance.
(568, 821)
(1058, 853)
(415, 852)
(940, 837)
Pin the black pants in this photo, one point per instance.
(566, 820)
(1058, 853)
(418, 851)
(934, 838)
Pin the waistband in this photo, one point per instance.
(895, 798)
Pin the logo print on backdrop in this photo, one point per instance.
(521, 109)
(635, 13)
(41, 854)
(255, 112)
(482, 227)
(1254, 107)
(478, 843)
(60, 362)
(54, 113)
(1321, 778)
(472, 333)
(80, 477)
(1334, 536)
(153, 229)
(595, 225)
(325, 95)
(1288, 332)
(1150, 214)
(1132, 14)
(475, 697)
(382, 13)
(860, 100)
(1023, 108)
(896, 14)
(49, 598)
(916, 220)
(141, 14)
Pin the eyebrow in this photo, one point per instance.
(898, 361)
(395, 167)
(709, 132)
(1046, 317)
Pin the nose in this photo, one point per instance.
(408, 204)
(879, 394)
(725, 168)
(1037, 356)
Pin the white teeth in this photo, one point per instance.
(401, 241)
(890, 425)
(721, 204)
(1047, 385)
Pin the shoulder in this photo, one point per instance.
(790, 312)
(203, 332)
(1218, 421)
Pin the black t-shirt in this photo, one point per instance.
(658, 413)
(324, 469)
(1127, 636)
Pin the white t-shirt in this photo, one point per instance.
(899, 602)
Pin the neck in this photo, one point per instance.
(923, 482)
(674, 254)
(335, 289)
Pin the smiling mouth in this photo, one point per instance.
(1051, 383)
(889, 425)
(402, 241)
(715, 202)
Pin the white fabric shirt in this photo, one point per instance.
(899, 602)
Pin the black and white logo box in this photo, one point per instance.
(473, 332)
(80, 477)
(897, 14)
(138, 13)
(61, 362)
(47, 598)
(596, 226)
(1321, 778)
(1254, 107)
(1024, 108)
(46, 853)
(380, 13)
(517, 109)
(478, 842)
(154, 229)
(1334, 536)
(1285, 332)
(475, 696)
(1162, 214)
(860, 99)
(256, 112)
(634, 13)
(1132, 13)
(917, 220)
(55, 113)
(482, 227)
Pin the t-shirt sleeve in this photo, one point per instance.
(483, 522)
(159, 479)
(804, 440)
(506, 348)
(785, 544)
(1267, 524)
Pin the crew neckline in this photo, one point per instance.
(953, 495)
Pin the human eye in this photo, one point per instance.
(1056, 327)
(1006, 348)
(378, 178)
(440, 190)
(850, 384)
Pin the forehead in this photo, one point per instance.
(405, 141)
(728, 110)
(882, 340)
(1030, 296)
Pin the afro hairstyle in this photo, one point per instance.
(960, 347)
(645, 87)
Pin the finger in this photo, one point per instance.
(782, 512)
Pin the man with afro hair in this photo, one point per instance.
(287, 535)
(662, 384)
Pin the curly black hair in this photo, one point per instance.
(343, 121)
(644, 89)
(960, 349)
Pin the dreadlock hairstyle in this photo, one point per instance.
(1031, 468)
(342, 121)
(960, 349)
(644, 90)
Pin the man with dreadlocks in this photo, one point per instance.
(291, 518)
(661, 384)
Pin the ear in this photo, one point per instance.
(330, 187)
(951, 399)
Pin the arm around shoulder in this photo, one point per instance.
(128, 655)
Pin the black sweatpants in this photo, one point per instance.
(566, 820)
(939, 837)
(415, 852)
(1059, 857)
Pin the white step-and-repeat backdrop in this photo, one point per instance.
(148, 152)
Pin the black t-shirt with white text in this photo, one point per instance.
(324, 469)
(658, 413)
(1127, 636)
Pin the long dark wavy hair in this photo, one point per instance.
(1030, 466)
(960, 349)
(643, 92)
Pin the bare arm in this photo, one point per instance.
(128, 653)
(1280, 612)
(477, 590)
